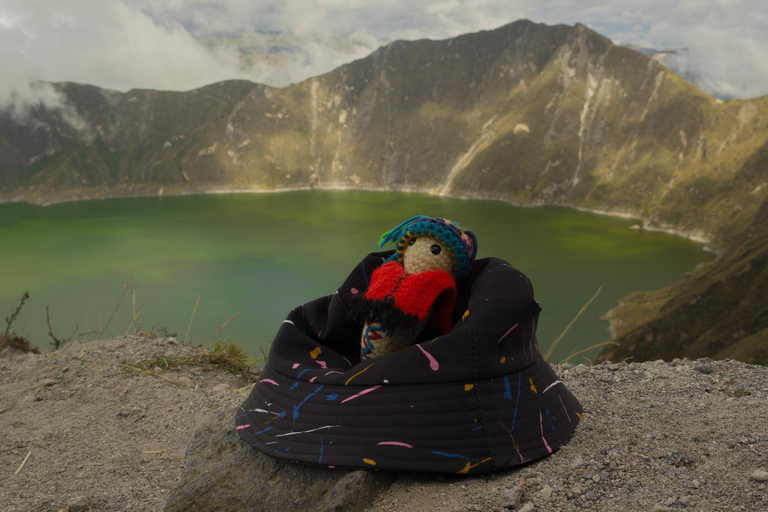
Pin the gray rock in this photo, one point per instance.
(545, 493)
(186, 381)
(223, 473)
(528, 507)
(577, 462)
(760, 475)
(78, 504)
(512, 498)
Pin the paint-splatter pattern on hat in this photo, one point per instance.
(478, 399)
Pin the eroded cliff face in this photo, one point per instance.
(527, 113)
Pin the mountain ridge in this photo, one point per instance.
(527, 113)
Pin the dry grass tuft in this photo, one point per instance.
(16, 342)
(225, 356)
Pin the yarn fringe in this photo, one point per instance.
(383, 311)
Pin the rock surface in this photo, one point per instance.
(223, 473)
(655, 436)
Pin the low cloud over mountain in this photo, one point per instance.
(184, 44)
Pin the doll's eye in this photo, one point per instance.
(413, 241)
(435, 249)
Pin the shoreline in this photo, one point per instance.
(697, 236)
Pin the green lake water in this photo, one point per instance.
(261, 255)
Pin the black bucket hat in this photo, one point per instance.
(478, 399)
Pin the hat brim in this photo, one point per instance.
(459, 427)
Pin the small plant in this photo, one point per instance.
(9, 338)
(10, 319)
(17, 342)
(57, 343)
(230, 348)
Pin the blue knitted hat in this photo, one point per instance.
(461, 243)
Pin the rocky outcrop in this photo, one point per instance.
(223, 473)
(718, 310)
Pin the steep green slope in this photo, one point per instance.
(718, 310)
(527, 113)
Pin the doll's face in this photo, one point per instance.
(424, 254)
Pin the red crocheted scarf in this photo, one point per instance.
(415, 295)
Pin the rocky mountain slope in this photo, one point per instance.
(527, 113)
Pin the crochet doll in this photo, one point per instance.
(415, 289)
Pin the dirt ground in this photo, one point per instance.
(80, 431)
(99, 436)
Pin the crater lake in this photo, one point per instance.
(259, 255)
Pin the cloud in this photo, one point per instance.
(727, 40)
(104, 42)
(184, 44)
(726, 45)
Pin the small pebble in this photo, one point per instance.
(545, 493)
(528, 507)
(512, 498)
(760, 475)
(78, 504)
(186, 381)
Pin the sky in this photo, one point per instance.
(160, 44)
